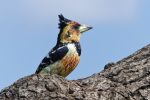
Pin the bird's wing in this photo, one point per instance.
(53, 56)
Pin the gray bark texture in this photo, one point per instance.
(127, 79)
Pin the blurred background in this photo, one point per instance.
(29, 29)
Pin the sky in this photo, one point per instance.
(29, 29)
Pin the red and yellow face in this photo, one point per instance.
(70, 30)
(70, 33)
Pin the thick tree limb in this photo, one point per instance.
(128, 79)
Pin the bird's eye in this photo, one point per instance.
(76, 27)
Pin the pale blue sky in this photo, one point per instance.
(28, 30)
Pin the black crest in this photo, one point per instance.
(63, 21)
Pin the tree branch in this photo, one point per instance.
(127, 79)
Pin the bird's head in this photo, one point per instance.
(70, 31)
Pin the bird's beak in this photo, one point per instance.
(84, 28)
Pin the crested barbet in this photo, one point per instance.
(65, 56)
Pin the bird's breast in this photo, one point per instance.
(70, 61)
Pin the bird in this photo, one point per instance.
(65, 55)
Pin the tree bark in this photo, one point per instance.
(127, 79)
